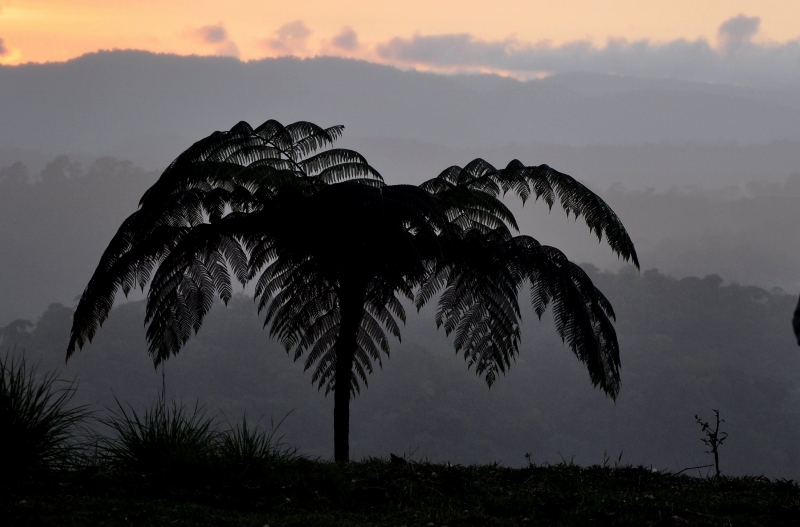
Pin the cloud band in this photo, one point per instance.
(737, 59)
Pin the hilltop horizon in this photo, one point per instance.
(604, 129)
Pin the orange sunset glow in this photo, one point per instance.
(58, 30)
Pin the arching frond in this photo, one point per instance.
(212, 214)
(471, 196)
(186, 284)
(549, 184)
(480, 279)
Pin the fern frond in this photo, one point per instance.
(578, 200)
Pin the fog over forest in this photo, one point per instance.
(706, 178)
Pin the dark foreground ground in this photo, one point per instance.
(300, 492)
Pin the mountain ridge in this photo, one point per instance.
(102, 102)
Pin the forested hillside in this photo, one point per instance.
(688, 346)
(56, 222)
(54, 225)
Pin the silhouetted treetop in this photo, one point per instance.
(333, 249)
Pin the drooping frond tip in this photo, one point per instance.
(471, 197)
(578, 200)
(480, 279)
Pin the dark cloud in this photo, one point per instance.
(217, 36)
(213, 34)
(290, 37)
(3, 48)
(347, 39)
(737, 31)
(698, 60)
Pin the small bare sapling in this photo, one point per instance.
(714, 437)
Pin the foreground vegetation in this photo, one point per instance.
(171, 465)
(302, 492)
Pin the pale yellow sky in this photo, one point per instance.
(57, 30)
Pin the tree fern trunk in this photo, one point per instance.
(351, 303)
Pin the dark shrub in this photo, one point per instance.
(173, 441)
(38, 432)
(248, 449)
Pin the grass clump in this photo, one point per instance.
(176, 442)
(245, 449)
(40, 433)
(170, 440)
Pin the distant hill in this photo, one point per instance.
(147, 108)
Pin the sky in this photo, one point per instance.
(737, 41)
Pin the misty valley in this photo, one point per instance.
(491, 380)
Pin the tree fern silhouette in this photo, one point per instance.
(333, 249)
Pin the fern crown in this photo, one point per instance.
(310, 224)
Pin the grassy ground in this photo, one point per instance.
(300, 492)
